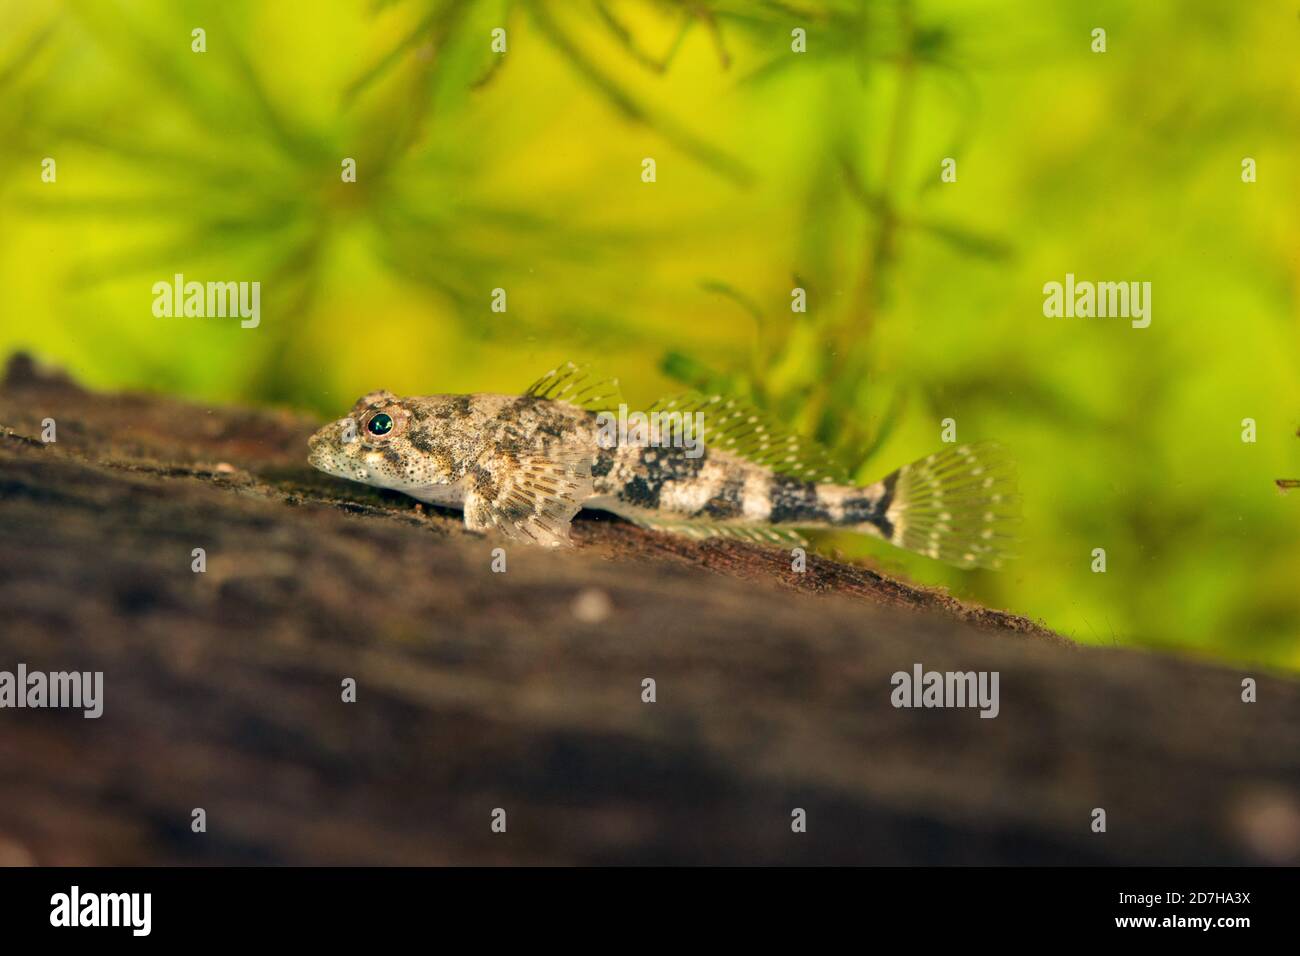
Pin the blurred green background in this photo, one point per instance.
(775, 169)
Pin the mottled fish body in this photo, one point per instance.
(525, 464)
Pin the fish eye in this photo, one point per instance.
(380, 424)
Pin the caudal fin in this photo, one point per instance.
(959, 506)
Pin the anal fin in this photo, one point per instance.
(701, 530)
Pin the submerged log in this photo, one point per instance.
(524, 691)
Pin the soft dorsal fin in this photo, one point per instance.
(577, 385)
(739, 428)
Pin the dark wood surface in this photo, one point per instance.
(522, 690)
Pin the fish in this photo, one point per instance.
(523, 465)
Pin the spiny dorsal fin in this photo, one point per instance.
(577, 385)
(746, 431)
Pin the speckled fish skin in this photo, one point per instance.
(524, 465)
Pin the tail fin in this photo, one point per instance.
(959, 506)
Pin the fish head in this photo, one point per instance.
(391, 442)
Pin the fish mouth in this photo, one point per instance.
(321, 449)
(329, 466)
(318, 454)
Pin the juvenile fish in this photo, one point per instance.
(525, 464)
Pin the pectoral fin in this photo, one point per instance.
(530, 498)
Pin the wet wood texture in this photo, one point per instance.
(523, 690)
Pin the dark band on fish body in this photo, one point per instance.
(887, 498)
(659, 466)
(642, 492)
(603, 464)
(858, 511)
(796, 502)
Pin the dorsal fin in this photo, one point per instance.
(577, 385)
(746, 431)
